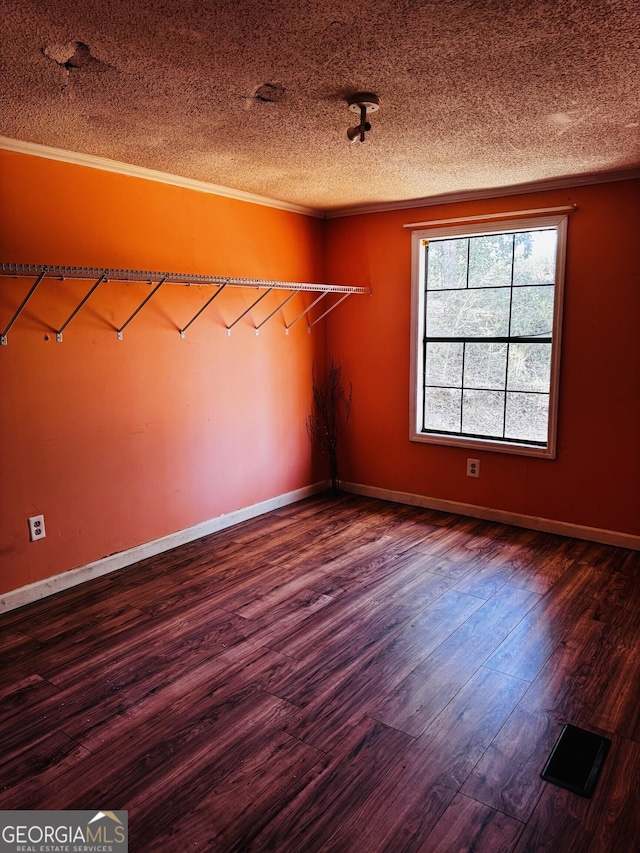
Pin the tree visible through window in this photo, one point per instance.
(487, 306)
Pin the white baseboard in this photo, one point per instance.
(546, 525)
(41, 589)
(73, 577)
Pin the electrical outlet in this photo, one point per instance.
(473, 467)
(36, 527)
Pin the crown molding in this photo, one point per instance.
(560, 183)
(105, 165)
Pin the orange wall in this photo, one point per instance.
(595, 480)
(121, 442)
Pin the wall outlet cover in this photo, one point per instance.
(36, 527)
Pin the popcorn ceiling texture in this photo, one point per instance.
(251, 94)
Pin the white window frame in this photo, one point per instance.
(416, 399)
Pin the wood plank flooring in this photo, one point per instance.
(339, 675)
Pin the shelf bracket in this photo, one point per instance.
(3, 336)
(306, 311)
(140, 307)
(206, 305)
(328, 311)
(275, 311)
(244, 313)
(102, 278)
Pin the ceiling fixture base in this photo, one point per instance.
(370, 101)
(363, 103)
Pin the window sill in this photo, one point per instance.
(484, 444)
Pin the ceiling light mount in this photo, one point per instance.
(363, 103)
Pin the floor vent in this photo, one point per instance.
(576, 760)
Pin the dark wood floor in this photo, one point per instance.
(339, 675)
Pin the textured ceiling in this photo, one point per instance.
(251, 94)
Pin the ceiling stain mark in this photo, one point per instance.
(269, 93)
(74, 57)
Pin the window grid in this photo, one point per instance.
(465, 340)
(506, 368)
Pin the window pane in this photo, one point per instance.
(469, 313)
(485, 366)
(490, 260)
(527, 417)
(535, 257)
(532, 311)
(444, 364)
(483, 412)
(447, 264)
(442, 409)
(487, 300)
(529, 367)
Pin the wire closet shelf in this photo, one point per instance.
(100, 276)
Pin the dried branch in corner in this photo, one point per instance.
(332, 407)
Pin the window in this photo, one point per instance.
(487, 304)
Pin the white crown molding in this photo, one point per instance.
(530, 522)
(562, 183)
(120, 560)
(105, 165)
